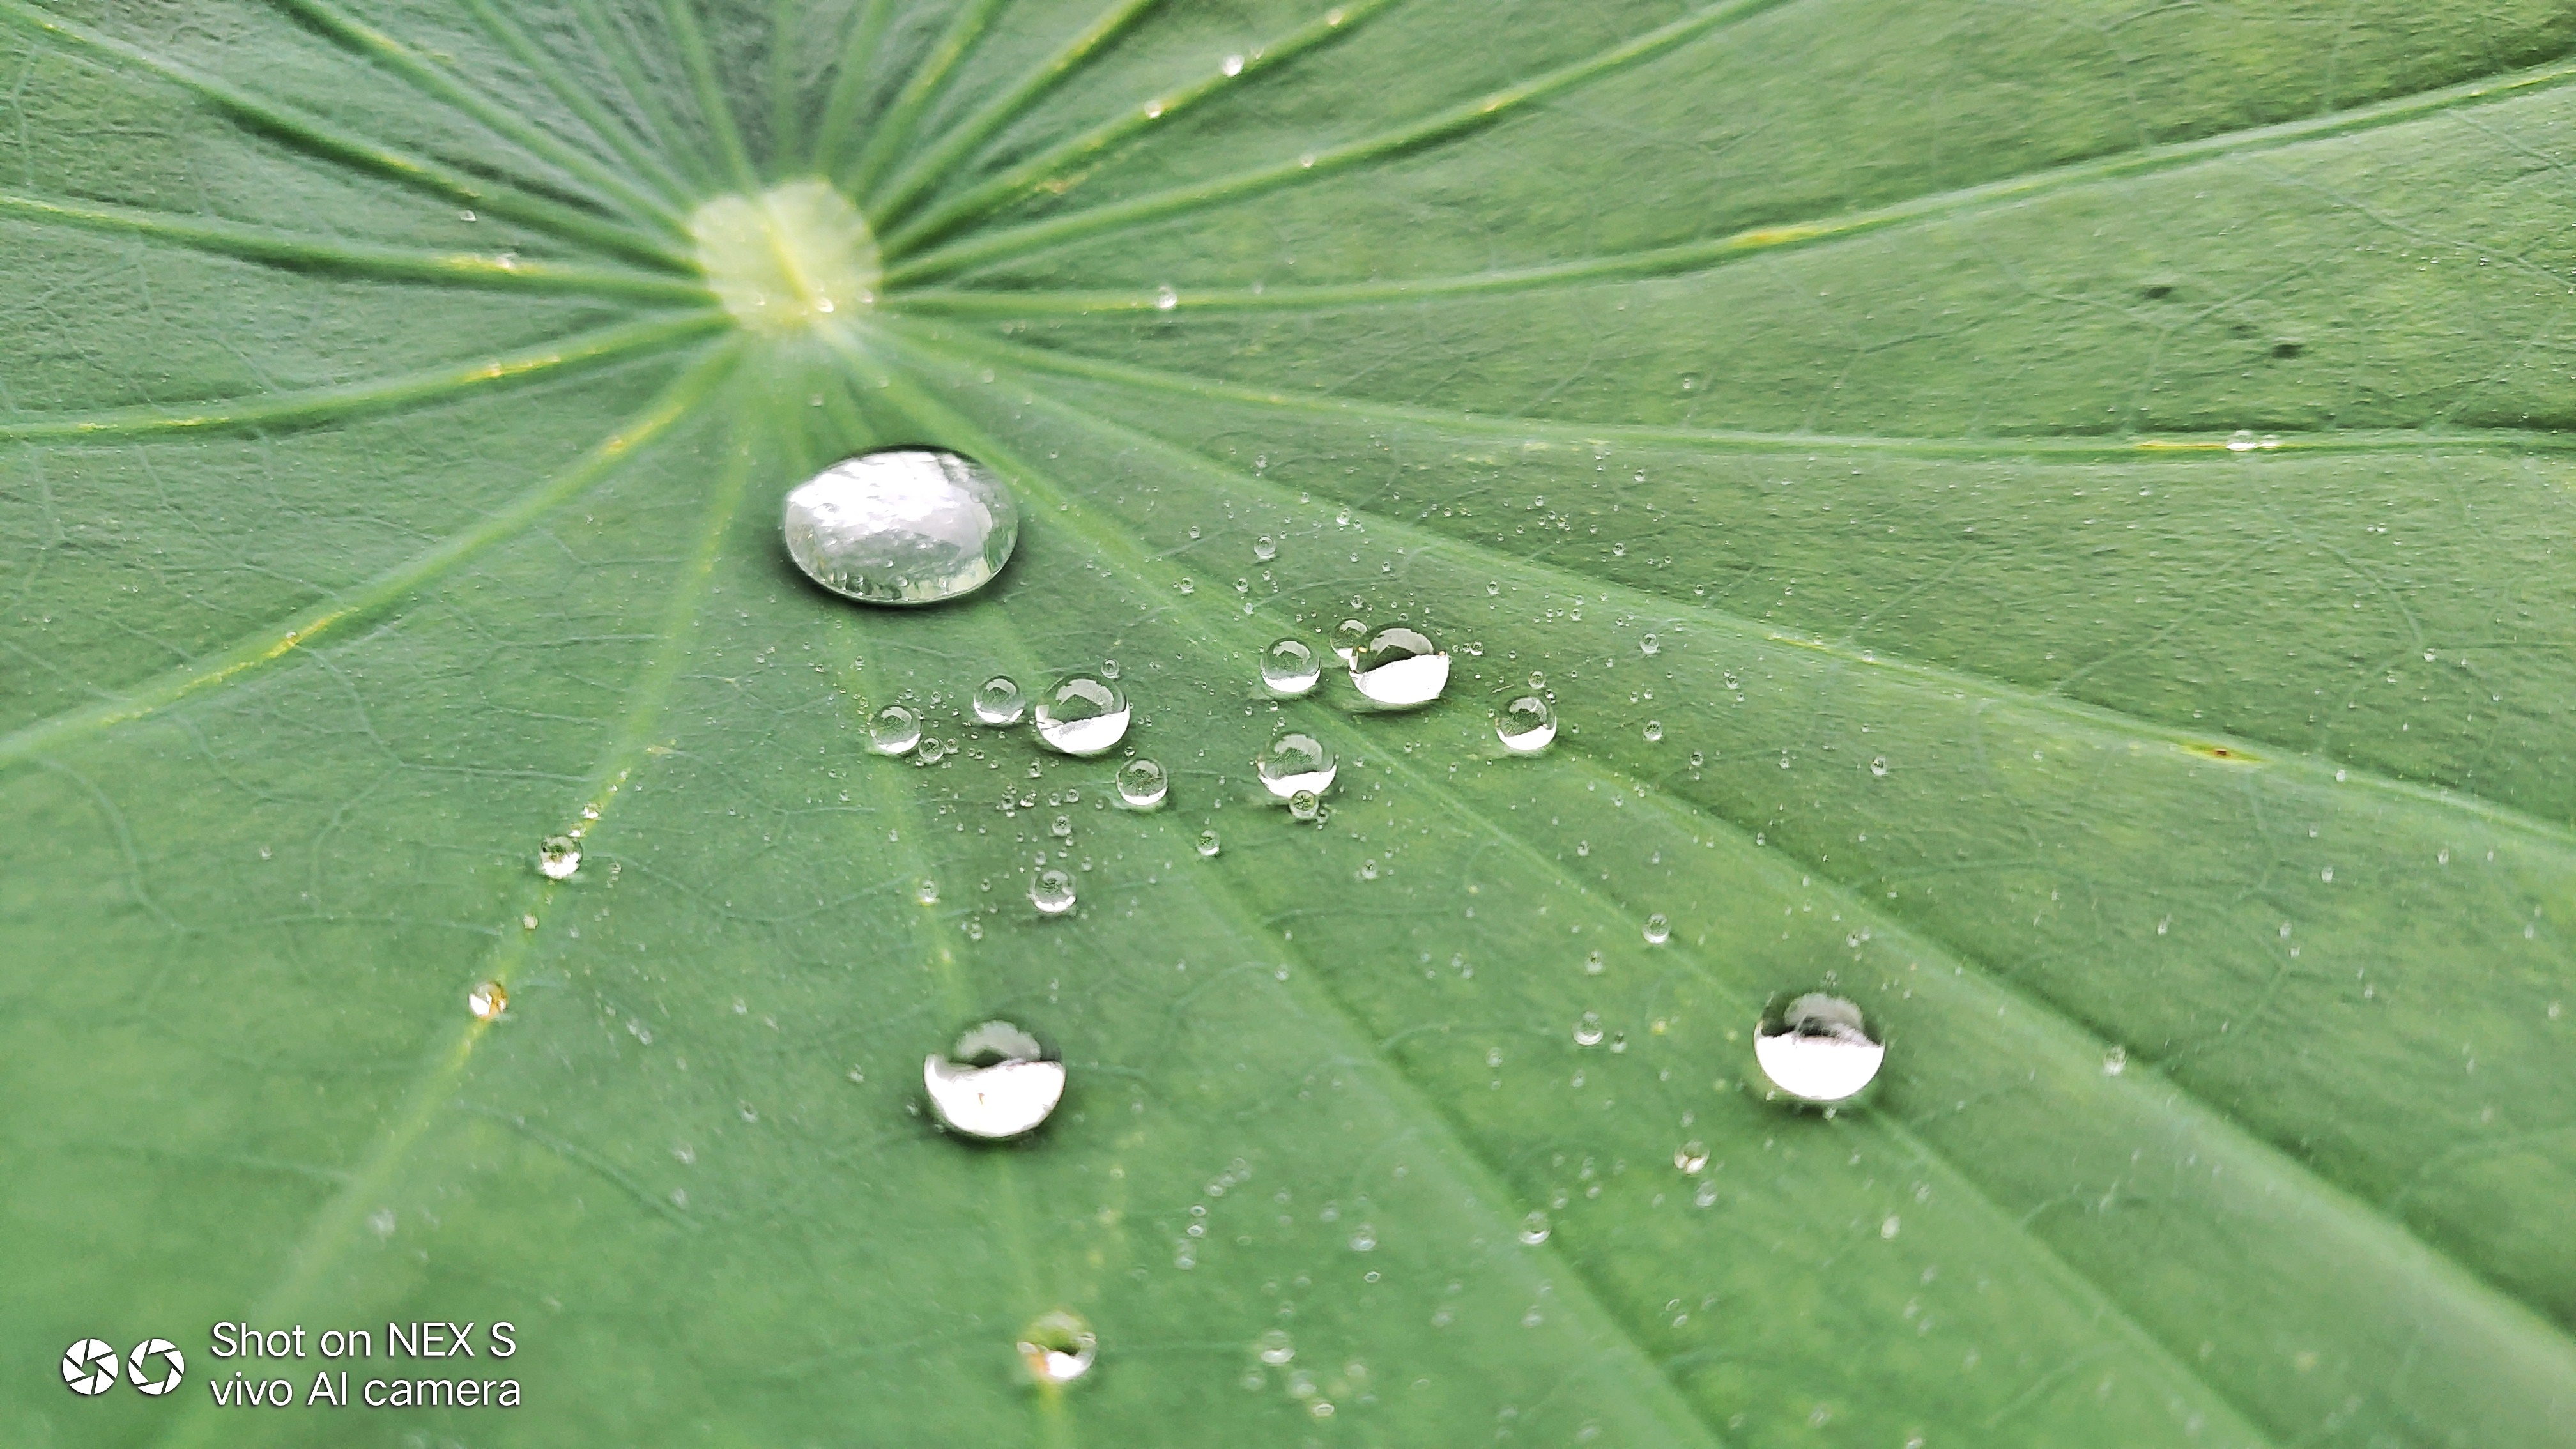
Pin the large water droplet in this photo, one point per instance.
(1818, 1048)
(1290, 667)
(487, 1000)
(1058, 1346)
(1081, 715)
(1295, 762)
(1526, 725)
(1142, 784)
(997, 1083)
(1051, 891)
(1399, 668)
(998, 701)
(902, 526)
(558, 856)
(894, 731)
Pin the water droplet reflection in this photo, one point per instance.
(1208, 844)
(1058, 1347)
(997, 1083)
(902, 526)
(894, 731)
(1399, 668)
(558, 857)
(998, 701)
(1289, 668)
(1142, 784)
(1296, 762)
(487, 1000)
(1081, 715)
(1818, 1048)
(1526, 725)
(1051, 891)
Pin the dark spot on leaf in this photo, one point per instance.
(2286, 348)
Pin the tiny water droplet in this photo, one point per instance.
(1650, 646)
(1051, 891)
(1165, 299)
(931, 751)
(2115, 1061)
(902, 526)
(558, 857)
(1368, 870)
(1304, 806)
(1534, 1228)
(927, 892)
(1058, 1347)
(1275, 1349)
(1658, 929)
(1364, 1240)
(894, 731)
(1109, 669)
(1142, 784)
(1208, 844)
(1233, 65)
(1080, 715)
(1818, 1048)
(998, 1082)
(1296, 763)
(1691, 1156)
(1526, 725)
(1654, 732)
(1587, 1029)
(1348, 638)
(1399, 667)
(998, 701)
(1063, 827)
(1878, 766)
(1593, 965)
(1265, 548)
(487, 1000)
(1289, 668)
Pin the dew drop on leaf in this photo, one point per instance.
(894, 731)
(1289, 668)
(1658, 929)
(902, 526)
(1526, 725)
(1878, 767)
(927, 892)
(998, 701)
(1534, 1228)
(558, 857)
(1304, 806)
(1400, 668)
(1654, 732)
(1058, 1347)
(1650, 646)
(1142, 784)
(1296, 763)
(1265, 548)
(1691, 1156)
(1818, 1048)
(1587, 1029)
(1208, 842)
(2115, 1061)
(1275, 1349)
(1081, 715)
(1348, 637)
(997, 1082)
(1051, 891)
(487, 1000)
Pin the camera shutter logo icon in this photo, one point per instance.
(89, 1367)
(156, 1366)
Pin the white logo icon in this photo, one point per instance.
(154, 1356)
(89, 1367)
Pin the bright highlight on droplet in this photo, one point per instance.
(1818, 1048)
(1398, 667)
(902, 526)
(1058, 1347)
(1296, 763)
(1526, 725)
(1142, 784)
(894, 731)
(1289, 668)
(1082, 715)
(997, 1083)
(558, 856)
(487, 1000)
(998, 701)
(1051, 891)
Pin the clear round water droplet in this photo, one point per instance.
(1295, 763)
(1534, 1228)
(927, 892)
(1109, 669)
(902, 526)
(1658, 929)
(2115, 1061)
(1265, 548)
(1289, 668)
(894, 731)
(931, 751)
(1818, 1048)
(1691, 1156)
(1142, 784)
(1364, 1240)
(1654, 732)
(1081, 715)
(1304, 806)
(1058, 1347)
(997, 1082)
(487, 1000)
(1063, 827)
(1208, 843)
(1348, 637)
(1275, 1348)
(1399, 668)
(1878, 766)
(998, 701)
(1649, 646)
(1587, 1029)
(1526, 725)
(1051, 891)
(558, 856)
(1593, 965)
